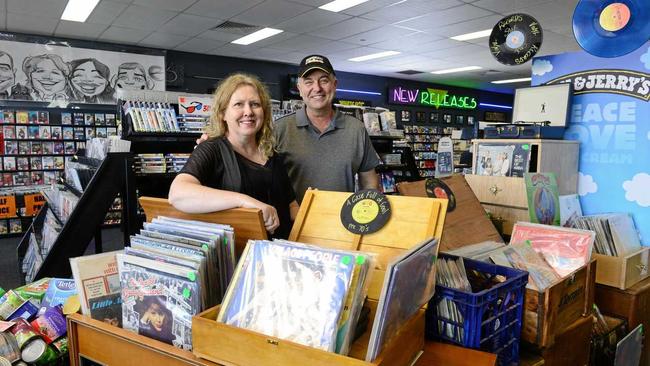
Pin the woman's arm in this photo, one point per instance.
(188, 195)
(293, 210)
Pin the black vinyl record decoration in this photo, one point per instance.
(515, 39)
(436, 188)
(611, 28)
(365, 212)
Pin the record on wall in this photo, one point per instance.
(365, 212)
(515, 39)
(611, 28)
(436, 188)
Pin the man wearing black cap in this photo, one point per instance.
(323, 147)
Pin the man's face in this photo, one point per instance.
(7, 73)
(131, 79)
(317, 90)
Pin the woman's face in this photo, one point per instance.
(244, 114)
(132, 79)
(47, 78)
(156, 317)
(87, 80)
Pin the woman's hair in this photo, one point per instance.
(218, 127)
(102, 69)
(29, 64)
(147, 302)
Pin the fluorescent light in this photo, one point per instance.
(510, 81)
(495, 105)
(257, 36)
(78, 10)
(459, 69)
(338, 5)
(374, 56)
(358, 91)
(473, 35)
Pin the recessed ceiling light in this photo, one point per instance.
(473, 35)
(510, 81)
(459, 69)
(374, 56)
(339, 5)
(257, 36)
(78, 10)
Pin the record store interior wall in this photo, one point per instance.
(610, 116)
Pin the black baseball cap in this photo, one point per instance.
(315, 62)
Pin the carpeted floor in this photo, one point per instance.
(9, 276)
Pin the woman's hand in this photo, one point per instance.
(269, 214)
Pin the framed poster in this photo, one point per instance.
(406, 116)
(420, 117)
(460, 119)
(470, 120)
(446, 118)
(434, 117)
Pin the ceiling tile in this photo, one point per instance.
(311, 20)
(270, 13)
(408, 41)
(163, 40)
(376, 35)
(266, 53)
(221, 9)
(329, 47)
(473, 25)
(123, 35)
(220, 35)
(48, 8)
(507, 6)
(3, 6)
(174, 5)
(199, 45)
(79, 30)
(346, 28)
(299, 42)
(106, 12)
(400, 60)
(189, 25)
(229, 50)
(367, 7)
(311, 2)
(405, 10)
(463, 53)
(450, 16)
(354, 52)
(145, 18)
(32, 24)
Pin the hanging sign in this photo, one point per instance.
(7, 207)
(429, 97)
(33, 203)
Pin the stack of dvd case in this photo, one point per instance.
(176, 162)
(150, 163)
(151, 117)
(299, 292)
(173, 270)
(192, 123)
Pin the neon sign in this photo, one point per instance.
(430, 98)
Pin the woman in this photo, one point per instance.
(47, 78)
(237, 166)
(90, 81)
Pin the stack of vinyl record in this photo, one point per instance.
(616, 234)
(303, 293)
(173, 270)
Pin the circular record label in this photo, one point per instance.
(515, 39)
(436, 188)
(365, 212)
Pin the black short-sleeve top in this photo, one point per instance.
(268, 183)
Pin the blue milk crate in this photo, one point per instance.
(489, 320)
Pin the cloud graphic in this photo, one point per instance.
(586, 184)
(636, 190)
(645, 59)
(541, 67)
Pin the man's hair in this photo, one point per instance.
(11, 59)
(218, 127)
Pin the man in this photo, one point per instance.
(323, 147)
(8, 87)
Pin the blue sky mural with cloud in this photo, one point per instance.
(610, 116)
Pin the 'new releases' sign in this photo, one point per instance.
(430, 98)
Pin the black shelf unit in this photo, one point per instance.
(113, 176)
(406, 171)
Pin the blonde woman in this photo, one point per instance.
(237, 166)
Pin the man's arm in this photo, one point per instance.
(369, 179)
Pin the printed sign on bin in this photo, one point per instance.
(195, 106)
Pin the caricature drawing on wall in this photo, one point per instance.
(8, 87)
(132, 76)
(47, 78)
(90, 81)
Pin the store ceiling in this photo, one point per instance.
(419, 29)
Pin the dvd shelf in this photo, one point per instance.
(424, 142)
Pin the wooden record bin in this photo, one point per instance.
(413, 219)
(505, 197)
(108, 345)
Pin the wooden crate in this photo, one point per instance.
(413, 220)
(108, 345)
(571, 348)
(467, 223)
(506, 197)
(631, 304)
(623, 272)
(549, 313)
(247, 222)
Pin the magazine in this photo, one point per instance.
(290, 291)
(409, 283)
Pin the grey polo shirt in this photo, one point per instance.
(328, 160)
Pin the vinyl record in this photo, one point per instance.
(365, 212)
(436, 188)
(611, 28)
(515, 39)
